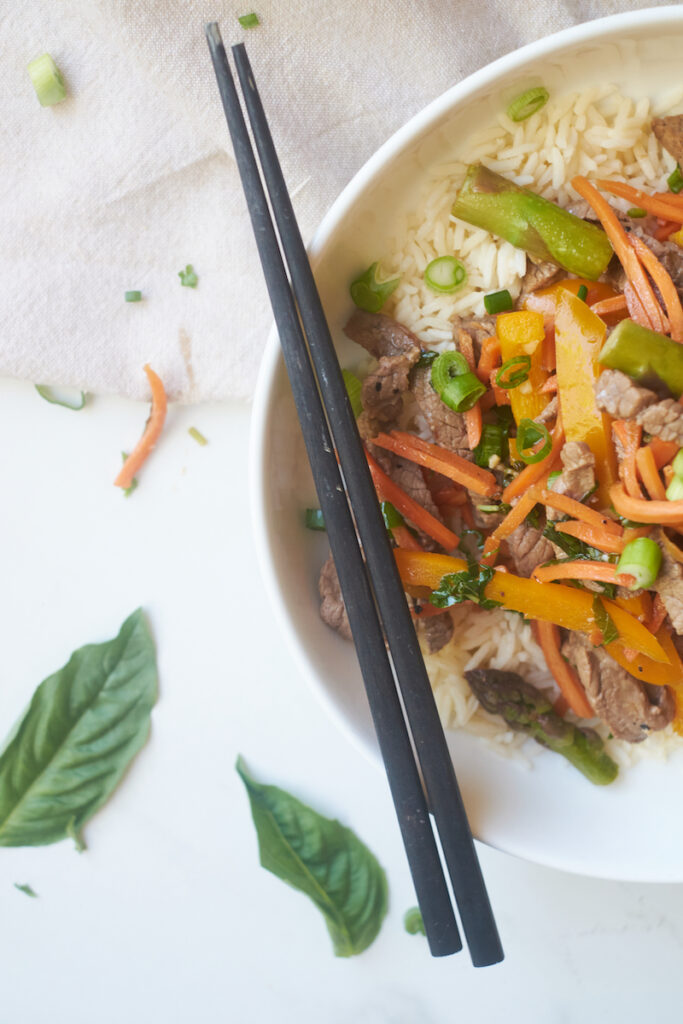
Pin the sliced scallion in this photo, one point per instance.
(353, 390)
(455, 384)
(498, 302)
(582, 293)
(188, 278)
(677, 464)
(513, 372)
(527, 103)
(674, 491)
(675, 180)
(642, 559)
(636, 212)
(313, 519)
(197, 436)
(490, 445)
(528, 434)
(552, 477)
(445, 274)
(249, 20)
(369, 293)
(47, 80)
(392, 517)
(133, 296)
(48, 393)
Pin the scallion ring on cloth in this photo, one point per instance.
(370, 294)
(527, 103)
(48, 393)
(675, 180)
(133, 296)
(528, 433)
(248, 20)
(513, 372)
(353, 390)
(455, 384)
(674, 491)
(445, 274)
(490, 446)
(313, 519)
(47, 80)
(498, 302)
(642, 559)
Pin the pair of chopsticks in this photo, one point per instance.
(373, 594)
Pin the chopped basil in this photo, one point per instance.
(467, 585)
(604, 622)
(26, 889)
(413, 923)
(188, 278)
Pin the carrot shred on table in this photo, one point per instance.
(600, 572)
(424, 453)
(489, 358)
(667, 289)
(150, 435)
(533, 473)
(571, 688)
(601, 539)
(649, 474)
(388, 490)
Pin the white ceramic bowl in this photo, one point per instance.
(632, 829)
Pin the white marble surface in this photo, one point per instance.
(167, 916)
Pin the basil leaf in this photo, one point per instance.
(81, 730)
(572, 546)
(322, 859)
(604, 622)
(413, 923)
(27, 890)
(467, 585)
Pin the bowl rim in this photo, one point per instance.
(271, 362)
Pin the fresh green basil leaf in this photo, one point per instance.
(604, 622)
(413, 923)
(82, 728)
(26, 888)
(467, 585)
(572, 546)
(324, 860)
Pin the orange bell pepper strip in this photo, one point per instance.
(545, 299)
(649, 671)
(549, 602)
(579, 335)
(522, 333)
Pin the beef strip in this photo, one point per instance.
(669, 585)
(578, 474)
(447, 427)
(669, 131)
(332, 610)
(408, 476)
(538, 275)
(549, 413)
(381, 336)
(435, 631)
(621, 701)
(664, 419)
(527, 547)
(620, 397)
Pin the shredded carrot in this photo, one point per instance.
(501, 395)
(653, 204)
(656, 620)
(663, 451)
(548, 637)
(608, 306)
(665, 229)
(589, 534)
(627, 256)
(513, 519)
(635, 308)
(151, 433)
(601, 572)
(649, 474)
(642, 511)
(629, 434)
(577, 510)
(548, 359)
(445, 493)
(550, 385)
(533, 473)
(667, 288)
(472, 417)
(414, 449)
(672, 198)
(404, 538)
(489, 358)
(410, 508)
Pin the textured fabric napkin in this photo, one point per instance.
(132, 177)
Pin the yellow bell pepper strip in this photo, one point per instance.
(550, 602)
(545, 299)
(579, 335)
(649, 671)
(521, 334)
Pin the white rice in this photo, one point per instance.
(598, 131)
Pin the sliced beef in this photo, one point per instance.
(478, 328)
(436, 631)
(538, 275)
(669, 585)
(664, 419)
(620, 397)
(332, 610)
(447, 427)
(381, 336)
(550, 411)
(621, 701)
(669, 131)
(409, 478)
(578, 474)
(527, 547)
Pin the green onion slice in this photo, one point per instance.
(188, 278)
(353, 390)
(133, 296)
(674, 491)
(197, 436)
(491, 444)
(47, 80)
(527, 103)
(582, 293)
(552, 477)
(392, 517)
(636, 212)
(248, 20)
(48, 393)
(677, 464)
(370, 294)
(513, 372)
(445, 274)
(313, 519)
(528, 434)
(455, 384)
(642, 559)
(675, 180)
(498, 302)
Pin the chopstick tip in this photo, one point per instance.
(213, 33)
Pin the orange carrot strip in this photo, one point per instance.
(151, 433)
(410, 508)
(635, 308)
(501, 395)
(665, 229)
(642, 511)
(629, 435)
(548, 636)
(667, 288)
(623, 249)
(405, 539)
(653, 204)
(513, 519)
(603, 540)
(577, 510)
(489, 358)
(424, 453)
(548, 359)
(601, 572)
(649, 474)
(607, 306)
(427, 611)
(663, 451)
(473, 421)
(533, 473)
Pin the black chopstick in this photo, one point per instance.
(428, 736)
(394, 742)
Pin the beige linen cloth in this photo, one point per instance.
(132, 177)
